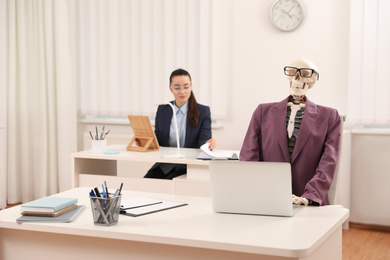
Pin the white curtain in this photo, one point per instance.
(129, 48)
(41, 89)
(3, 105)
(369, 80)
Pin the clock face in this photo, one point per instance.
(286, 15)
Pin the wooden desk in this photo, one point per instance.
(89, 167)
(189, 232)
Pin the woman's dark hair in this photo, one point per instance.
(193, 114)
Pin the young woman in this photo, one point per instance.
(193, 123)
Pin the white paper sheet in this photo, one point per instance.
(205, 149)
(137, 202)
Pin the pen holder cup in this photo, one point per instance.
(99, 146)
(105, 211)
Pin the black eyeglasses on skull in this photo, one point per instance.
(303, 72)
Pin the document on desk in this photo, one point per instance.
(206, 154)
(141, 210)
(137, 202)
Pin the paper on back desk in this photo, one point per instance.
(205, 149)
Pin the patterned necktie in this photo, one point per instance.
(291, 121)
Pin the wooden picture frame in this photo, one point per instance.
(143, 132)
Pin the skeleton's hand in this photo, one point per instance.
(299, 200)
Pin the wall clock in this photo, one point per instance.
(287, 15)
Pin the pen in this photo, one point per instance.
(104, 137)
(97, 134)
(120, 189)
(116, 193)
(97, 192)
(102, 134)
(91, 135)
(104, 193)
(105, 184)
(92, 194)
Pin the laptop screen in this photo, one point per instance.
(261, 188)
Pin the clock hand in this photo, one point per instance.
(290, 11)
(283, 11)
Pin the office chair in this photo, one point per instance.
(334, 190)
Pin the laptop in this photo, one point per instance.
(259, 188)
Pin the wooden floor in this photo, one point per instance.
(11, 205)
(361, 244)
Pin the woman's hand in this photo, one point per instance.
(212, 142)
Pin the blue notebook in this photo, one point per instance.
(48, 204)
(64, 218)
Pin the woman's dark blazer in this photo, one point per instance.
(195, 136)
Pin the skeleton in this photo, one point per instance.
(302, 75)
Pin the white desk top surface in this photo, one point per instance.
(196, 225)
(190, 155)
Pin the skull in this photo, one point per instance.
(302, 74)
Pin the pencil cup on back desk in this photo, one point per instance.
(99, 146)
(99, 142)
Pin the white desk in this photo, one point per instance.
(189, 232)
(89, 167)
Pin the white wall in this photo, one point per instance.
(370, 177)
(260, 52)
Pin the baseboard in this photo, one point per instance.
(369, 226)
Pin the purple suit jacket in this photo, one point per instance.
(316, 151)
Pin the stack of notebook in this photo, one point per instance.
(50, 209)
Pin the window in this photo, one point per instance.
(369, 77)
(127, 50)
